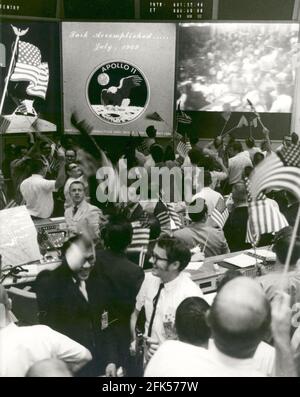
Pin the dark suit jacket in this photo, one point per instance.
(125, 279)
(63, 308)
(235, 229)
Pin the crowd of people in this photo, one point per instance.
(105, 311)
(228, 64)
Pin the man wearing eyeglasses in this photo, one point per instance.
(162, 292)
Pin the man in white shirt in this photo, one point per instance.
(162, 292)
(190, 356)
(21, 347)
(38, 191)
(210, 196)
(239, 159)
(240, 318)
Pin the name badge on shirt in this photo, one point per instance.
(169, 327)
(104, 320)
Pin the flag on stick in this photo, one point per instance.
(167, 216)
(29, 67)
(4, 124)
(220, 213)
(273, 173)
(264, 217)
(183, 118)
(140, 236)
(243, 122)
(183, 148)
(154, 117)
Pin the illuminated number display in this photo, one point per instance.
(177, 10)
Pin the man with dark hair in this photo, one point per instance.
(81, 213)
(199, 233)
(235, 228)
(124, 279)
(208, 194)
(75, 300)
(237, 162)
(258, 158)
(251, 148)
(162, 292)
(182, 357)
(70, 156)
(38, 191)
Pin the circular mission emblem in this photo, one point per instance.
(118, 92)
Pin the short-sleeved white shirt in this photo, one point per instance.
(170, 298)
(21, 347)
(37, 193)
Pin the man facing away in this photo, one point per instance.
(38, 191)
(22, 347)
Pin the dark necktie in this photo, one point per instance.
(155, 302)
(75, 209)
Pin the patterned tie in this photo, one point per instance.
(155, 302)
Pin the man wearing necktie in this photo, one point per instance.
(82, 214)
(162, 292)
(74, 299)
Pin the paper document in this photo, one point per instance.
(242, 261)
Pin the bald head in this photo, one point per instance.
(240, 317)
(51, 368)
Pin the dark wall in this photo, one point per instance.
(256, 9)
(207, 125)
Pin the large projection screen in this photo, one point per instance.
(221, 65)
(119, 76)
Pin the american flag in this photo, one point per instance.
(220, 213)
(29, 67)
(183, 118)
(183, 147)
(263, 216)
(140, 236)
(243, 122)
(4, 124)
(290, 155)
(154, 117)
(272, 173)
(165, 213)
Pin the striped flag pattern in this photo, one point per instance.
(183, 148)
(165, 212)
(29, 67)
(272, 174)
(263, 216)
(220, 213)
(290, 155)
(140, 236)
(183, 118)
(4, 124)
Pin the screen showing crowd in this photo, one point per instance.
(221, 65)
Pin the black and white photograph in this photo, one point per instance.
(149, 194)
(30, 76)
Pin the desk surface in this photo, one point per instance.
(209, 269)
